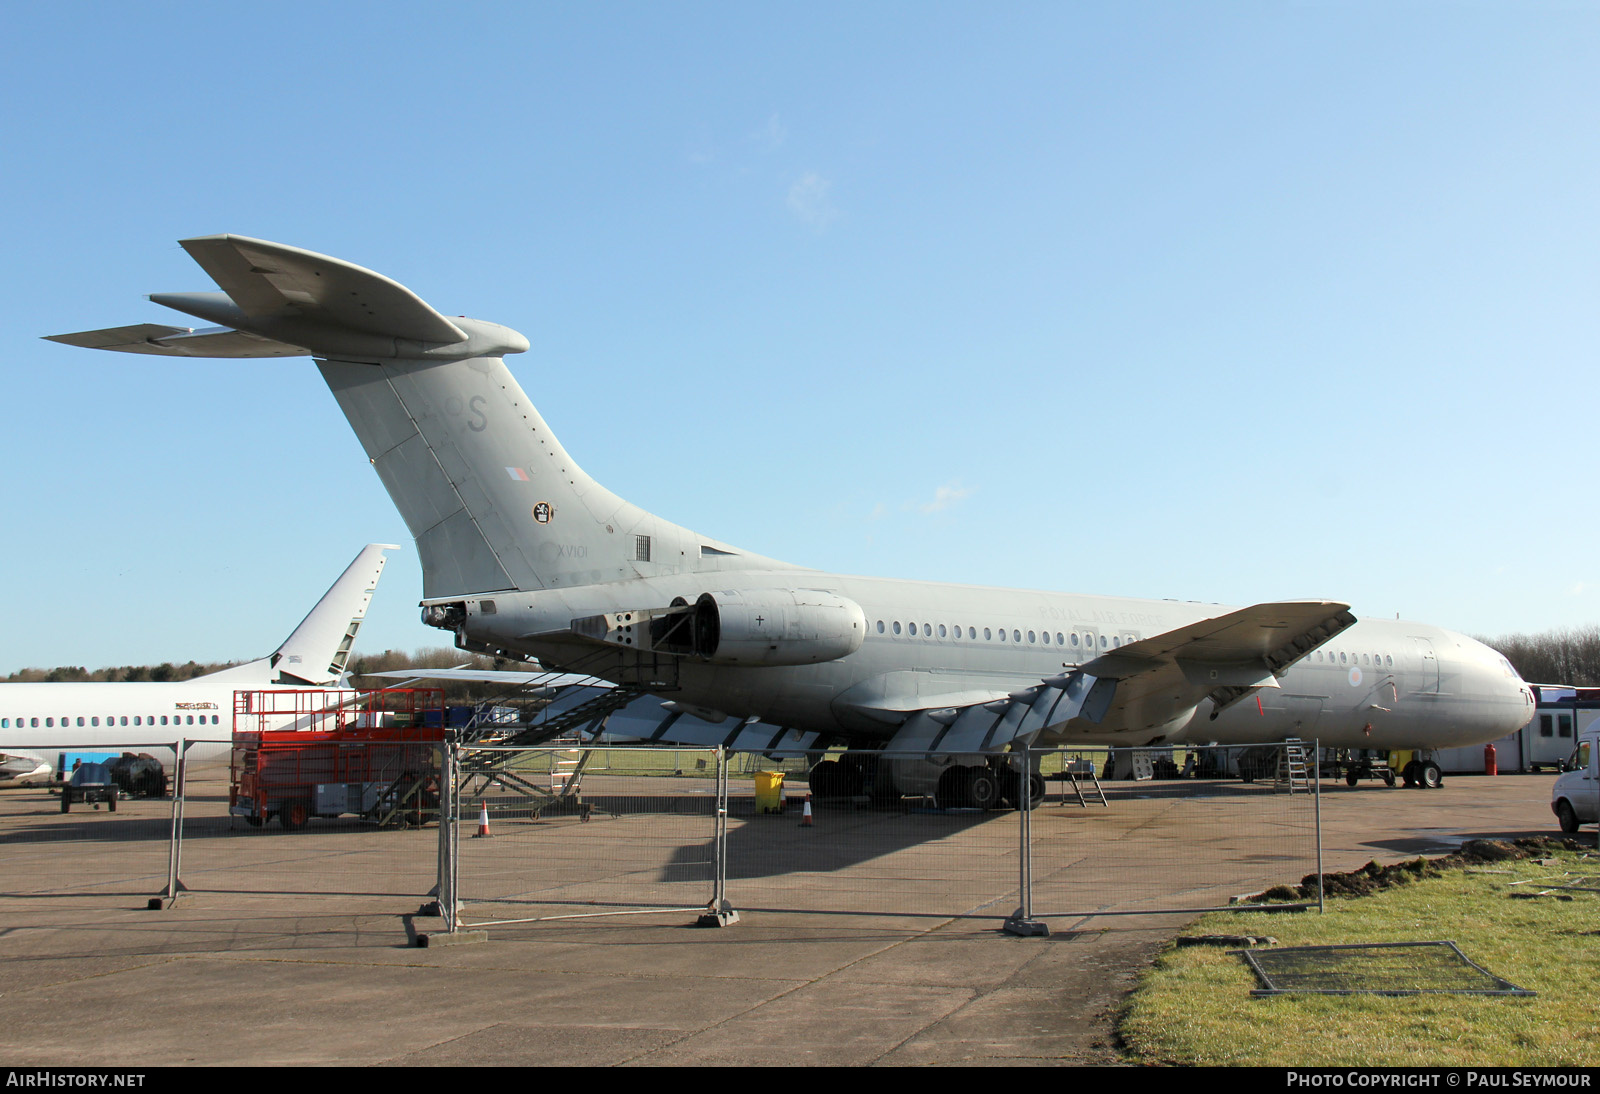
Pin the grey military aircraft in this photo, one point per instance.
(523, 553)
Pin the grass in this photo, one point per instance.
(1194, 1007)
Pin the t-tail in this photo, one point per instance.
(493, 500)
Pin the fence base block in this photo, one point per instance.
(727, 917)
(1027, 928)
(444, 938)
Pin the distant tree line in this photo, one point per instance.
(1554, 657)
(360, 666)
(162, 673)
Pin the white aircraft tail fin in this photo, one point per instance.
(319, 648)
(316, 653)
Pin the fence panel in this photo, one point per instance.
(1168, 843)
(583, 832)
(361, 846)
(52, 846)
(889, 855)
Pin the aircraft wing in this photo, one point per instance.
(179, 341)
(1224, 659)
(510, 679)
(1140, 689)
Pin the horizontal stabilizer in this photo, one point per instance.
(276, 281)
(282, 301)
(179, 341)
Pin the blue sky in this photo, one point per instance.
(1225, 302)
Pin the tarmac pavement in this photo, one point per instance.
(236, 977)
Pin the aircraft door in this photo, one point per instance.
(1427, 664)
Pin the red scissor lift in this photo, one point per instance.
(299, 754)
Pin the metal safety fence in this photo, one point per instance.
(502, 834)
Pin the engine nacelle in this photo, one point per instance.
(762, 627)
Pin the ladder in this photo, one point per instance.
(1292, 769)
(1081, 774)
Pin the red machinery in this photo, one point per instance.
(333, 752)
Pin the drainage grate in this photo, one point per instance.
(1393, 968)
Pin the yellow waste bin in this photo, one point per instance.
(769, 792)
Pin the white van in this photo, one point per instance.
(1575, 799)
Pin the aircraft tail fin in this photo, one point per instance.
(491, 497)
(316, 653)
(319, 648)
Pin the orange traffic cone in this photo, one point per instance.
(805, 818)
(483, 819)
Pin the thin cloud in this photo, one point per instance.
(808, 200)
(771, 135)
(946, 496)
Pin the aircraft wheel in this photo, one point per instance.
(294, 814)
(1429, 775)
(1351, 778)
(827, 779)
(952, 788)
(983, 789)
(1566, 817)
(1409, 774)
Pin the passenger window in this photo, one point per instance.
(897, 626)
(1046, 636)
(880, 626)
(1030, 641)
(941, 630)
(1002, 634)
(972, 632)
(927, 630)
(987, 634)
